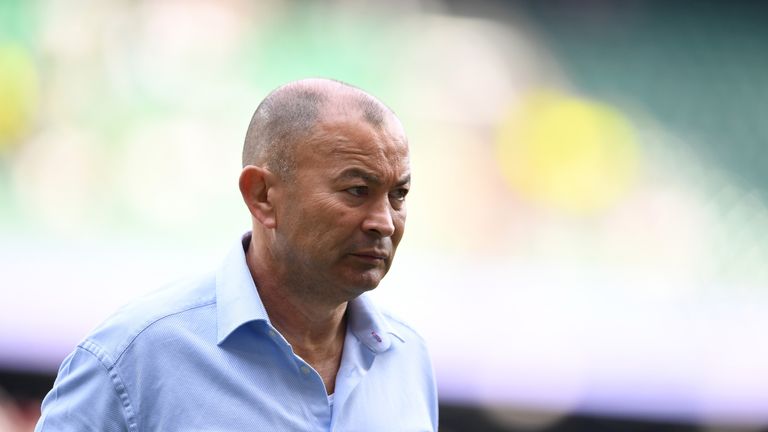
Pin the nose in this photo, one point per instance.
(379, 219)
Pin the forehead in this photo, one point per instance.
(344, 140)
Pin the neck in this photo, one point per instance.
(307, 325)
(315, 329)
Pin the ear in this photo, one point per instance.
(255, 185)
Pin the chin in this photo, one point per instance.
(362, 285)
(354, 282)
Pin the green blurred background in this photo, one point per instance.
(589, 182)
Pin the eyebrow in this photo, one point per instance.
(404, 180)
(369, 177)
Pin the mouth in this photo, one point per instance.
(371, 256)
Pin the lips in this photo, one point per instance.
(373, 255)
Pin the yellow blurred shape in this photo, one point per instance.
(568, 152)
(18, 93)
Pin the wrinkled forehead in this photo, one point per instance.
(345, 131)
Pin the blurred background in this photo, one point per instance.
(587, 244)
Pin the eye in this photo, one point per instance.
(399, 194)
(358, 191)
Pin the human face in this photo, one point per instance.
(340, 219)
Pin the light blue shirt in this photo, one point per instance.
(202, 355)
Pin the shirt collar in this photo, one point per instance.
(238, 303)
(369, 325)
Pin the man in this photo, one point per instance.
(282, 336)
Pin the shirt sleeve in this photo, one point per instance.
(83, 398)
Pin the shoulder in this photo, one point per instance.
(171, 307)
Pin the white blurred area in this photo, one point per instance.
(563, 253)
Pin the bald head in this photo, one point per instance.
(288, 116)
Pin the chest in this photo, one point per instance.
(266, 393)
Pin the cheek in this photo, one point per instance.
(399, 221)
(329, 217)
(332, 211)
(402, 213)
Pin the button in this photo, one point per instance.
(272, 333)
(304, 370)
